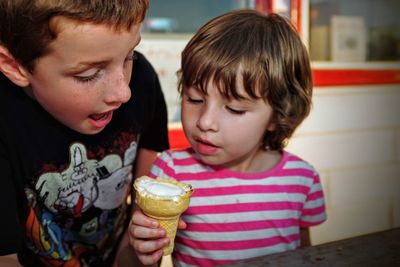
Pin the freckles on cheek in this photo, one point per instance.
(77, 101)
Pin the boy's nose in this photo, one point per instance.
(119, 91)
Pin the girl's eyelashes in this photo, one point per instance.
(194, 100)
(235, 111)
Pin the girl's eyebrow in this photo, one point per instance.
(194, 87)
(245, 100)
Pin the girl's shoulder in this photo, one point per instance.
(291, 161)
(180, 162)
(181, 153)
(179, 157)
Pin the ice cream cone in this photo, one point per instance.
(165, 200)
(170, 226)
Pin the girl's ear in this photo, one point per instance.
(12, 69)
(271, 126)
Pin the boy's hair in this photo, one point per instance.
(26, 27)
(267, 52)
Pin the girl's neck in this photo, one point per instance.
(263, 160)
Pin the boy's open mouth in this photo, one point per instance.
(100, 116)
(100, 120)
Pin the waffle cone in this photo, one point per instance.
(166, 211)
(170, 225)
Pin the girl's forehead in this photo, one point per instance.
(228, 91)
(233, 82)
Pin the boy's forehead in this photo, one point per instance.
(58, 24)
(78, 42)
(65, 27)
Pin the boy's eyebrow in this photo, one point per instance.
(85, 65)
(80, 66)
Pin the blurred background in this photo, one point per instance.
(352, 135)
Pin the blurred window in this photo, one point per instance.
(354, 31)
(183, 16)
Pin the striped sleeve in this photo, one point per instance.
(163, 166)
(313, 212)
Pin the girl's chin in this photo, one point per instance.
(210, 160)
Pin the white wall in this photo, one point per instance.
(352, 137)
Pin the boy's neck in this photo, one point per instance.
(28, 91)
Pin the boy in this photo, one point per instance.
(75, 129)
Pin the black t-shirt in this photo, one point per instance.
(62, 193)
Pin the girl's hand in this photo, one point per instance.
(147, 237)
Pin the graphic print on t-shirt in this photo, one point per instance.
(79, 204)
(78, 187)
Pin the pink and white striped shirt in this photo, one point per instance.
(233, 216)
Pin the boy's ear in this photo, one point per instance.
(12, 69)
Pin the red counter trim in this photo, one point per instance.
(177, 138)
(326, 77)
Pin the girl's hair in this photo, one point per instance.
(26, 27)
(267, 52)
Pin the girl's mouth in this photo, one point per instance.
(206, 148)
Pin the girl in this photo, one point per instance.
(246, 85)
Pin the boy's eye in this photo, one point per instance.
(235, 110)
(87, 78)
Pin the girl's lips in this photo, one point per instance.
(205, 148)
(101, 120)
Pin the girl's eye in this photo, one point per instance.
(235, 111)
(194, 100)
(88, 78)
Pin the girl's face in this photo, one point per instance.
(225, 132)
(85, 76)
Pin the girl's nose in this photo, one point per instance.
(207, 120)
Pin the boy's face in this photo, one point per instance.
(86, 74)
(225, 132)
